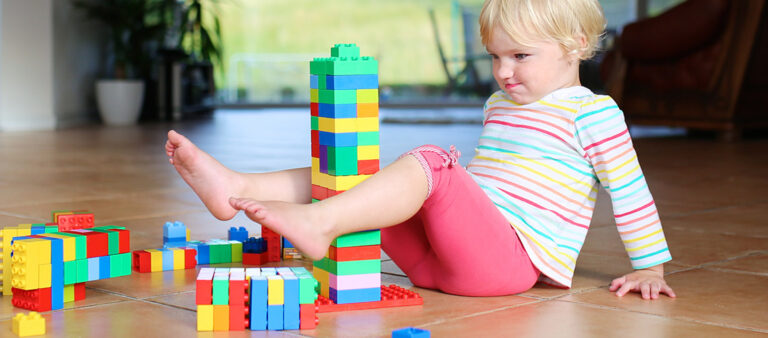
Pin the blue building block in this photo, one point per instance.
(313, 83)
(275, 317)
(340, 82)
(203, 254)
(411, 332)
(337, 139)
(355, 295)
(258, 303)
(167, 259)
(337, 111)
(291, 298)
(104, 268)
(254, 245)
(37, 229)
(57, 273)
(93, 268)
(175, 230)
(236, 234)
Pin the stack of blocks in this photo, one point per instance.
(345, 151)
(164, 259)
(231, 299)
(51, 268)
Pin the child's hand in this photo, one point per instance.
(648, 282)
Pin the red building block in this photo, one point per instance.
(142, 261)
(125, 240)
(254, 258)
(319, 193)
(274, 250)
(367, 167)
(238, 292)
(308, 316)
(204, 292)
(97, 242)
(391, 296)
(79, 291)
(75, 221)
(237, 319)
(189, 258)
(314, 109)
(355, 253)
(35, 300)
(315, 134)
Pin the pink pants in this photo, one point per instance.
(458, 242)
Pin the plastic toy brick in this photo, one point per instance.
(358, 281)
(411, 332)
(354, 253)
(254, 245)
(254, 258)
(391, 296)
(258, 303)
(327, 138)
(368, 110)
(291, 300)
(34, 300)
(237, 320)
(113, 240)
(205, 318)
(74, 221)
(274, 317)
(28, 256)
(204, 287)
(79, 291)
(367, 167)
(238, 234)
(362, 238)
(335, 111)
(308, 316)
(345, 50)
(368, 152)
(236, 248)
(69, 293)
(362, 81)
(355, 295)
(178, 258)
(367, 96)
(31, 324)
(97, 242)
(220, 317)
(189, 258)
(142, 261)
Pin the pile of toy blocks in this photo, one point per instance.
(258, 251)
(175, 235)
(164, 259)
(345, 151)
(230, 299)
(49, 264)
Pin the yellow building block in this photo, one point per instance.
(220, 317)
(316, 163)
(44, 276)
(69, 293)
(367, 95)
(178, 258)
(5, 254)
(31, 324)
(156, 260)
(345, 125)
(69, 246)
(367, 124)
(314, 96)
(324, 278)
(28, 255)
(187, 235)
(344, 183)
(205, 318)
(275, 290)
(367, 153)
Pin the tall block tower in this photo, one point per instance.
(345, 151)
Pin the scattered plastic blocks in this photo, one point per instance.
(411, 332)
(164, 259)
(31, 324)
(238, 234)
(230, 299)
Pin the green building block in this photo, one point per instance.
(119, 265)
(82, 270)
(362, 238)
(315, 123)
(352, 267)
(70, 272)
(345, 50)
(368, 138)
(342, 161)
(318, 66)
(307, 288)
(51, 229)
(220, 291)
(348, 96)
(237, 252)
(81, 244)
(322, 82)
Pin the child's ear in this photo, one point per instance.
(582, 40)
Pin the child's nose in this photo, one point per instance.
(506, 70)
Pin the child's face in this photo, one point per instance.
(527, 74)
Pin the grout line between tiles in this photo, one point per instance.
(708, 264)
(440, 321)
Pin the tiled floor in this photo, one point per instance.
(711, 196)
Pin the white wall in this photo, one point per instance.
(49, 59)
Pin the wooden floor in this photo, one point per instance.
(711, 195)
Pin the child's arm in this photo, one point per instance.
(607, 145)
(649, 282)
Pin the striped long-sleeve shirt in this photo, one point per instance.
(541, 163)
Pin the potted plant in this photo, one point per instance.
(132, 25)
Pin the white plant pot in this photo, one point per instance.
(119, 101)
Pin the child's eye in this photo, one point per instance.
(521, 56)
(494, 56)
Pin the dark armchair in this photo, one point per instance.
(701, 65)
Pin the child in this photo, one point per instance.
(520, 211)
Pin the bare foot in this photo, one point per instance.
(296, 222)
(211, 181)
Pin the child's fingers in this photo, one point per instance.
(668, 290)
(616, 283)
(626, 287)
(655, 291)
(645, 290)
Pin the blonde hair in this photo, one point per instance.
(560, 21)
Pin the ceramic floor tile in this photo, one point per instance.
(565, 319)
(728, 299)
(746, 220)
(687, 247)
(757, 263)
